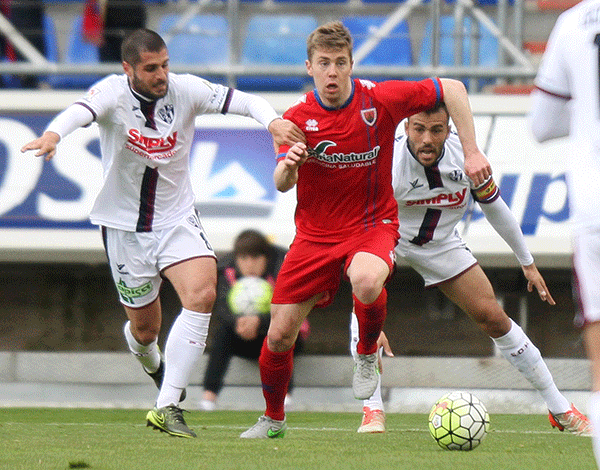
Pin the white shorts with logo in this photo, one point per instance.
(136, 259)
(586, 263)
(437, 261)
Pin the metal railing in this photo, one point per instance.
(513, 63)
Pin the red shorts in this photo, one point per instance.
(311, 268)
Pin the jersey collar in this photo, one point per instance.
(328, 108)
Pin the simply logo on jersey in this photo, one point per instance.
(151, 147)
(456, 199)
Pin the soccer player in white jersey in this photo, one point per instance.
(432, 191)
(567, 101)
(146, 205)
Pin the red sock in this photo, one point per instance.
(370, 322)
(275, 373)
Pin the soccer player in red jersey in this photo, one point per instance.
(346, 215)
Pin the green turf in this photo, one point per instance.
(59, 439)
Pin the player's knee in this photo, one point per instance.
(199, 298)
(280, 340)
(495, 323)
(366, 289)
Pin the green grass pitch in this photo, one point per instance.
(115, 439)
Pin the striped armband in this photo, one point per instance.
(487, 192)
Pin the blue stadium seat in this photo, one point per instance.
(276, 40)
(488, 45)
(311, 1)
(51, 53)
(394, 50)
(203, 40)
(78, 52)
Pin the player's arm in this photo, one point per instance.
(286, 171)
(284, 132)
(505, 224)
(63, 124)
(549, 116)
(456, 99)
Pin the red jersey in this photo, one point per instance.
(345, 186)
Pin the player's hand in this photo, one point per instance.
(383, 344)
(285, 132)
(246, 326)
(45, 145)
(477, 167)
(296, 155)
(535, 279)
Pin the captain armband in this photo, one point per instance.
(487, 192)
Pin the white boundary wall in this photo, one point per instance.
(530, 175)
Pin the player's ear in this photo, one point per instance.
(128, 69)
(308, 67)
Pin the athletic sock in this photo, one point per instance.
(518, 349)
(370, 320)
(185, 344)
(275, 374)
(149, 355)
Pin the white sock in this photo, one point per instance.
(185, 344)
(518, 349)
(149, 356)
(375, 402)
(593, 413)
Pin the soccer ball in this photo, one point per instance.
(250, 296)
(458, 421)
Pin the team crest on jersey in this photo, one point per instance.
(369, 116)
(166, 113)
(455, 175)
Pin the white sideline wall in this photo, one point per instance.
(234, 188)
(410, 384)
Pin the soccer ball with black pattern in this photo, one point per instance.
(458, 421)
(250, 296)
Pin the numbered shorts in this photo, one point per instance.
(311, 268)
(137, 258)
(437, 261)
(586, 264)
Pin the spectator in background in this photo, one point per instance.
(241, 333)
(107, 22)
(27, 16)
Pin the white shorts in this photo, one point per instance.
(136, 259)
(437, 261)
(586, 263)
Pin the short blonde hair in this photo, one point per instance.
(332, 35)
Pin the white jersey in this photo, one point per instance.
(570, 69)
(145, 159)
(432, 200)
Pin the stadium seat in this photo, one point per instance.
(50, 53)
(311, 1)
(203, 40)
(276, 40)
(395, 50)
(78, 52)
(488, 45)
